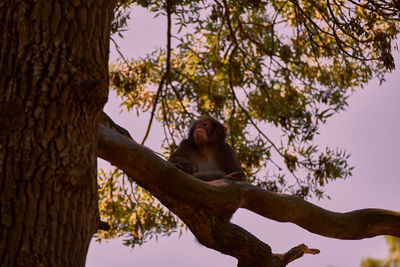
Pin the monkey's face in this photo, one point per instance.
(207, 131)
(201, 132)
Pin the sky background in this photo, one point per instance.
(369, 130)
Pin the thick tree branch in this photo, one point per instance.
(356, 224)
(206, 207)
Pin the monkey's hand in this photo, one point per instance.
(186, 166)
(236, 176)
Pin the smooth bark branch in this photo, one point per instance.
(225, 195)
(356, 224)
(206, 207)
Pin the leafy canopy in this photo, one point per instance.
(275, 71)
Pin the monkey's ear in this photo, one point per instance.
(226, 129)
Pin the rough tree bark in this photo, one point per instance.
(53, 85)
(206, 207)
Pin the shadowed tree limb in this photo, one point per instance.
(295, 253)
(356, 224)
(206, 207)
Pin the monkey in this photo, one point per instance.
(206, 155)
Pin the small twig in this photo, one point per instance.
(119, 52)
(163, 105)
(166, 75)
(154, 108)
(167, 71)
(295, 253)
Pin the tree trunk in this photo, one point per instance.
(53, 85)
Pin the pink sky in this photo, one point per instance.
(369, 129)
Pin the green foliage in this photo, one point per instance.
(393, 259)
(275, 71)
(131, 211)
(121, 17)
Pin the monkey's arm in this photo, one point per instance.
(229, 164)
(182, 158)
